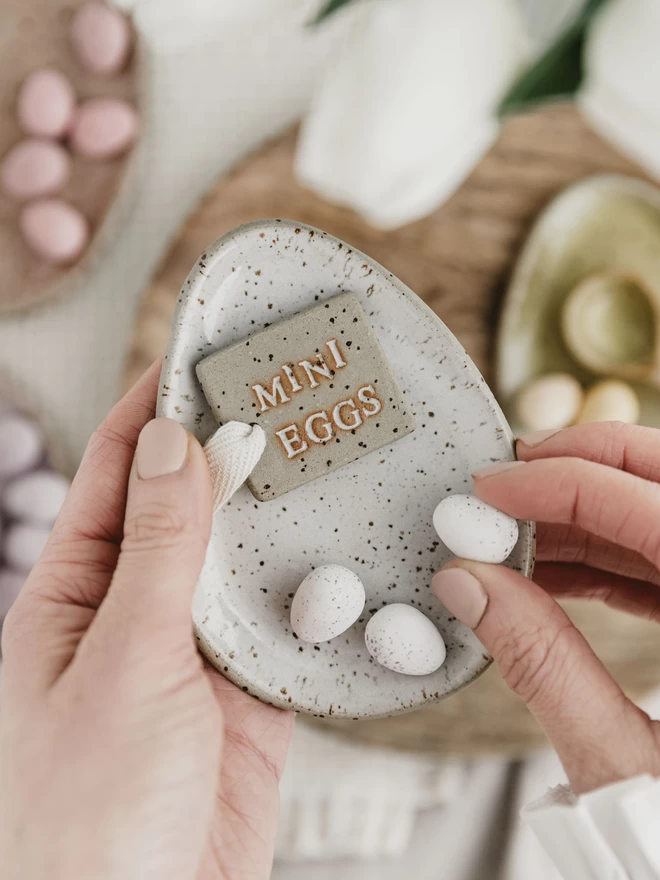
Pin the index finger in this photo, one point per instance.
(617, 506)
(630, 448)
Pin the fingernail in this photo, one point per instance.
(534, 438)
(461, 594)
(162, 449)
(497, 468)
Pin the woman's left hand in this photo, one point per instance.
(113, 759)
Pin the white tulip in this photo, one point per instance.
(408, 107)
(622, 71)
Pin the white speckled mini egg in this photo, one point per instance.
(328, 601)
(372, 516)
(402, 639)
(472, 529)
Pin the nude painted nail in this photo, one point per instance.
(162, 449)
(534, 438)
(461, 594)
(497, 468)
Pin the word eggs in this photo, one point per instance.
(472, 529)
(319, 385)
(327, 602)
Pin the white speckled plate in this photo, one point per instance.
(373, 515)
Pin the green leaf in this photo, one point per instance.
(558, 73)
(330, 7)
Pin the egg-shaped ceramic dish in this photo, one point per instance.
(374, 515)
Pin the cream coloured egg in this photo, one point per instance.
(34, 168)
(36, 497)
(472, 529)
(551, 401)
(610, 401)
(327, 602)
(402, 639)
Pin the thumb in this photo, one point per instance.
(167, 526)
(548, 663)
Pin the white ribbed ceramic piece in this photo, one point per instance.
(373, 516)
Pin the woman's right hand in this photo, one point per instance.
(594, 491)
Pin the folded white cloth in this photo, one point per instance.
(611, 832)
(342, 800)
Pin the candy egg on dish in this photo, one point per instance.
(402, 639)
(371, 412)
(35, 497)
(549, 402)
(328, 601)
(612, 400)
(34, 168)
(24, 544)
(45, 104)
(21, 444)
(104, 128)
(472, 529)
(10, 584)
(55, 230)
(101, 38)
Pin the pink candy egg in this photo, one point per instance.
(10, 585)
(36, 497)
(104, 128)
(21, 444)
(55, 230)
(45, 104)
(101, 37)
(23, 545)
(34, 168)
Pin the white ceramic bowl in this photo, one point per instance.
(373, 516)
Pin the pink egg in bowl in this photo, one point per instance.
(45, 103)
(104, 128)
(55, 230)
(34, 168)
(101, 38)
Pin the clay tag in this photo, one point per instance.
(320, 387)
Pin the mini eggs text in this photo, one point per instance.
(321, 426)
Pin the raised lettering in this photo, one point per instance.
(367, 395)
(334, 349)
(319, 367)
(269, 398)
(327, 427)
(291, 376)
(336, 415)
(288, 441)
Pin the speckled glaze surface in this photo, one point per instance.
(373, 516)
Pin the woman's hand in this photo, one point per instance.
(113, 760)
(594, 491)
